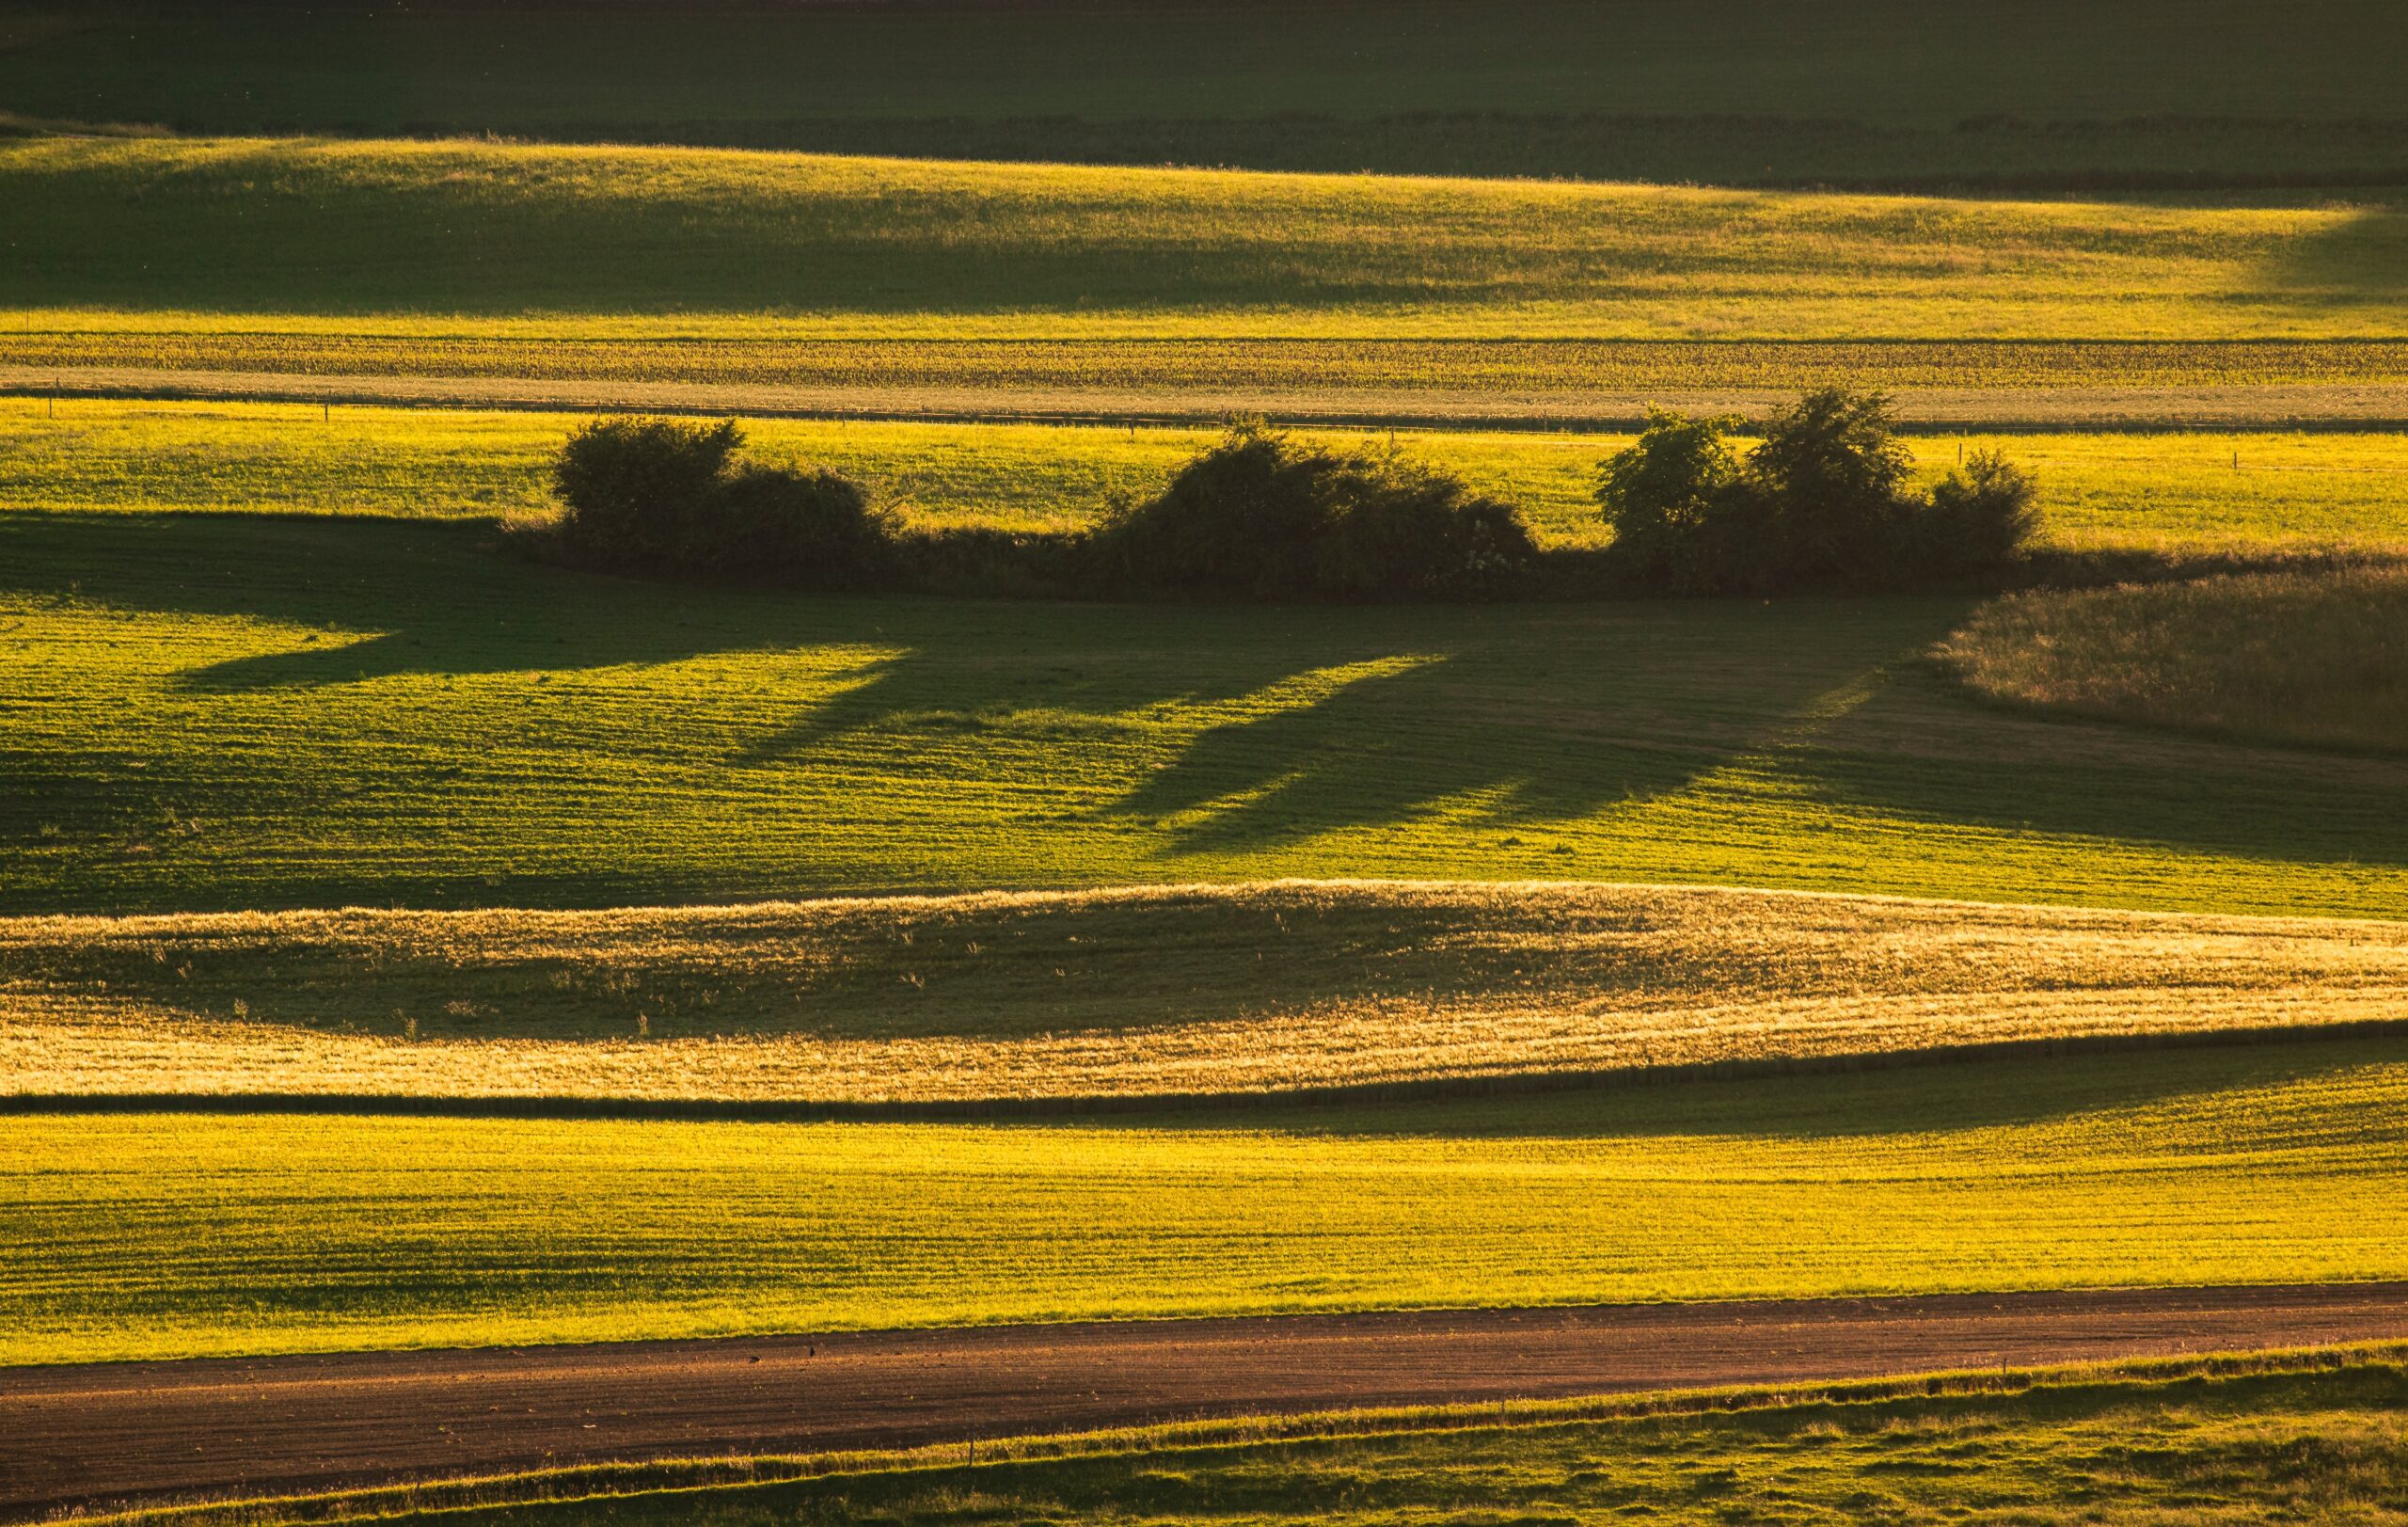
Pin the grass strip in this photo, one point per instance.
(144, 1236)
(2244, 493)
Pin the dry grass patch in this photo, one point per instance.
(2316, 656)
(1123, 993)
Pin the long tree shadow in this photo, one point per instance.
(1204, 731)
(1876, 1103)
(2358, 266)
(1275, 727)
(1920, 747)
(1486, 729)
(369, 599)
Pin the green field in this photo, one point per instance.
(2153, 92)
(661, 959)
(2220, 492)
(136, 1235)
(2268, 1439)
(252, 711)
(474, 272)
(782, 246)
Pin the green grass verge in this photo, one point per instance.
(209, 711)
(773, 246)
(2220, 492)
(2136, 93)
(155, 1236)
(2310, 1438)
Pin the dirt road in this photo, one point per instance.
(110, 1431)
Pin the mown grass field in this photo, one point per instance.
(241, 711)
(1126, 994)
(2138, 93)
(151, 1235)
(577, 241)
(2269, 1439)
(2206, 492)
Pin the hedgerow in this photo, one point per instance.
(1822, 503)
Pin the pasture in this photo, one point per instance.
(584, 243)
(408, 944)
(152, 1235)
(238, 711)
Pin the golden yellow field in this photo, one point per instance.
(1182, 990)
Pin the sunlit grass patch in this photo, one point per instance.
(151, 1235)
(967, 250)
(1005, 998)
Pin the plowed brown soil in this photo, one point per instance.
(122, 1431)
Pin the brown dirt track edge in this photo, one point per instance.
(120, 1432)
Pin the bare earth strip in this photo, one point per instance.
(108, 1432)
(1131, 993)
(2352, 404)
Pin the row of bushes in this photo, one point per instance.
(1822, 503)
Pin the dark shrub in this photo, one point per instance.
(1830, 505)
(809, 528)
(1981, 515)
(632, 486)
(1822, 503)
(657, 496)
(987, 563)
(1413, 533)
(1239, 518)
(1260, 515)
(1666, 498)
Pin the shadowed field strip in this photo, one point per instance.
(1127, 993)
(81, 1434)
(278, 234)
